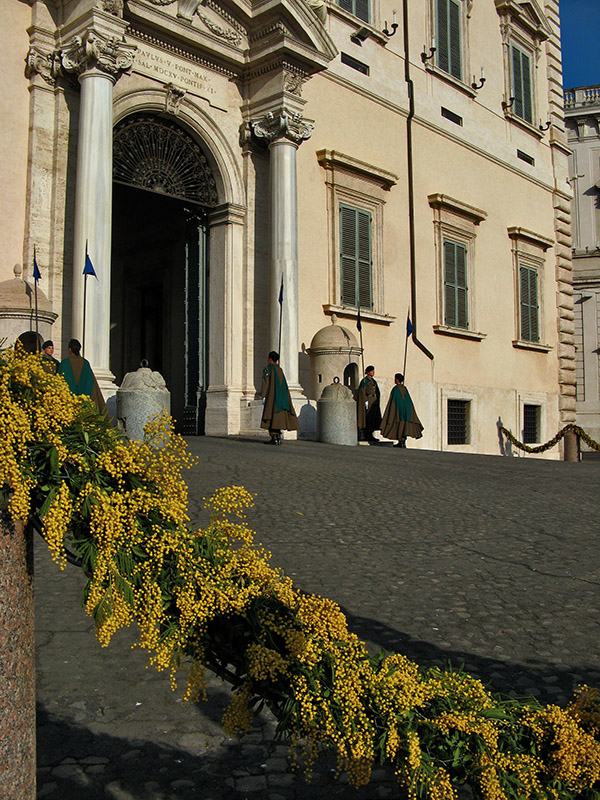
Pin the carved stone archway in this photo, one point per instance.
(159, 294)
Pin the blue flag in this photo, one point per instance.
(281, 292)
(89, 268)
(358, 321)
(409, 327)
(37, 275)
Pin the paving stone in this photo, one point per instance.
(472, 560)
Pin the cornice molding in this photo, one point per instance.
(519, 234)
(333, 159)
(447, 203)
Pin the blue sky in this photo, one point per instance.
(580, 35)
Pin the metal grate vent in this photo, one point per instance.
(154, 154)
(531, 424)
(458, 421)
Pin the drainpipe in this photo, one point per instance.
(410, 182)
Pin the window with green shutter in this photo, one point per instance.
(455, 285)
(355, 257)
(360, 8)
(521, 83)
(448, 37)
(528, 302)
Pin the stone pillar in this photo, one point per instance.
(17, 664)
(284, 132)
(98, 57)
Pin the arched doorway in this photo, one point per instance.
(163, 189)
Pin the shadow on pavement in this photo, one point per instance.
(545, 682)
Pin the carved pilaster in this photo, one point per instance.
(108, 54)
(282, 125)
(44, 64)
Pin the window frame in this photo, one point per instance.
(454, 284)
(463, 83)
(523, 52)
(350, 6)
(529, 251)
(362, 186)
(359, 214)
(448, 36)
(456, 222)
(526, 306)
(523, 26)
(466, 394)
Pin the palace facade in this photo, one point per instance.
(582, 117)
(247, 174)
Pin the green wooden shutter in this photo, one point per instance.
(455, 285)
(360, 8)
(355, 257)
(521, 84)
(448, 38)
(528, 301)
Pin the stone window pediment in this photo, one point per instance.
(527, 15)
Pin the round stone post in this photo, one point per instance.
(17, 663)
(571, 447)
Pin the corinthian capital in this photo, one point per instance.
(95, 51)
(282, 126)
(47, 65)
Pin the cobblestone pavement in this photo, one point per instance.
(484, 561)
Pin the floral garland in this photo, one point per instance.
(210, 599)
(571, 427)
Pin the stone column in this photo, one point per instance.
(284, 133)
(98, 59)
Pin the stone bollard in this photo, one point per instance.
(141, 395)
(17, 663)
(336, 415)
(571, 447)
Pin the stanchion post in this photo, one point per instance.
(571, 447)
(17, 657)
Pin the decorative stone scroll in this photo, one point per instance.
(174, 96)
(160, 156)
(282, 126)
(94, 51)
(47, 65)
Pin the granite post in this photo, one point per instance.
(17, 662)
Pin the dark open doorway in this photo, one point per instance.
(159, 296)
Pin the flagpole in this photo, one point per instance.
(84, 297)
(280, 313)
(37, 343)
(362, 350)
(87, 271)
(406, 342)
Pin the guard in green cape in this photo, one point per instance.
(400, 418)
(49, 363)
(368, 408)
(278, 411)
(78, 374)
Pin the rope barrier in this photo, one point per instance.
(571, 427)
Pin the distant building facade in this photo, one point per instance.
(582, 118)
(215, 157)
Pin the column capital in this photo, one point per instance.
(282, 125)
(95, 51)
(43, 63)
